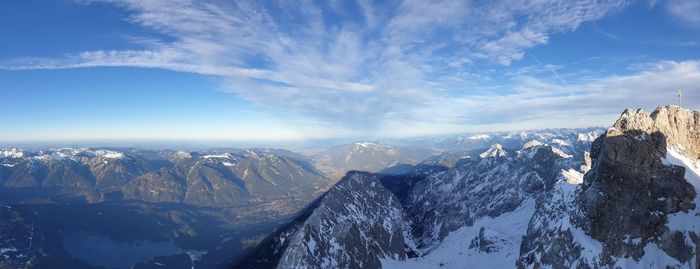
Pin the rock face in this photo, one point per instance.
(678, 125)
(630, 186)
(356, 223)
(637, 205)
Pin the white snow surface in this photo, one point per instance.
(532, 143)
(477, 137)
(590, 136)
(561, 142)
(495, 151)
(109, 154)
(222, 156)
(454, 251)
(681, 221)
(572, 176)
(12, 153)
(370, 145)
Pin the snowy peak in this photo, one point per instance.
(531, 144)
(11, 153)
(495, 151)
(587, 137)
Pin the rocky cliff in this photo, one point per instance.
(636, 207)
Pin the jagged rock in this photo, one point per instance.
(356, 223)
(487, 241)
(680, 126)
(630, 191)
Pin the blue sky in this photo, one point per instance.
(299, 70)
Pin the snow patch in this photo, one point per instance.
(681, 221)
(572, 176)
(561, 142)
(223, 155)
(109, 154)
(587, 137)
(455, 252)
(12, 153)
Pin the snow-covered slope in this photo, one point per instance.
(356, 223)
(478, 212)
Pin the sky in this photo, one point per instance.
(302, 70)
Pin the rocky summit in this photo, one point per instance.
(636, 207)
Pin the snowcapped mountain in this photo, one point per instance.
(568, 140)
(632, 202)
(229, 179)
(200, 178)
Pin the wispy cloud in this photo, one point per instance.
(686, 11)
(395, 64)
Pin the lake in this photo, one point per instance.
(99, 250)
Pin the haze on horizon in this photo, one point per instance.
(323, 70)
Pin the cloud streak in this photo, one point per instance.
(372, 66)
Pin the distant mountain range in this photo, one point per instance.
(199, 178)
(366, 156)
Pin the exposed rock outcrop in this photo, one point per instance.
(634, 208)
(630, 191)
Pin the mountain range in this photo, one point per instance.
(621, 197)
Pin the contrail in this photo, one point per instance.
(566, 86)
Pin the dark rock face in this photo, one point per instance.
(356, 223)
(630, 191)
(633, 208)
(486, 242)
